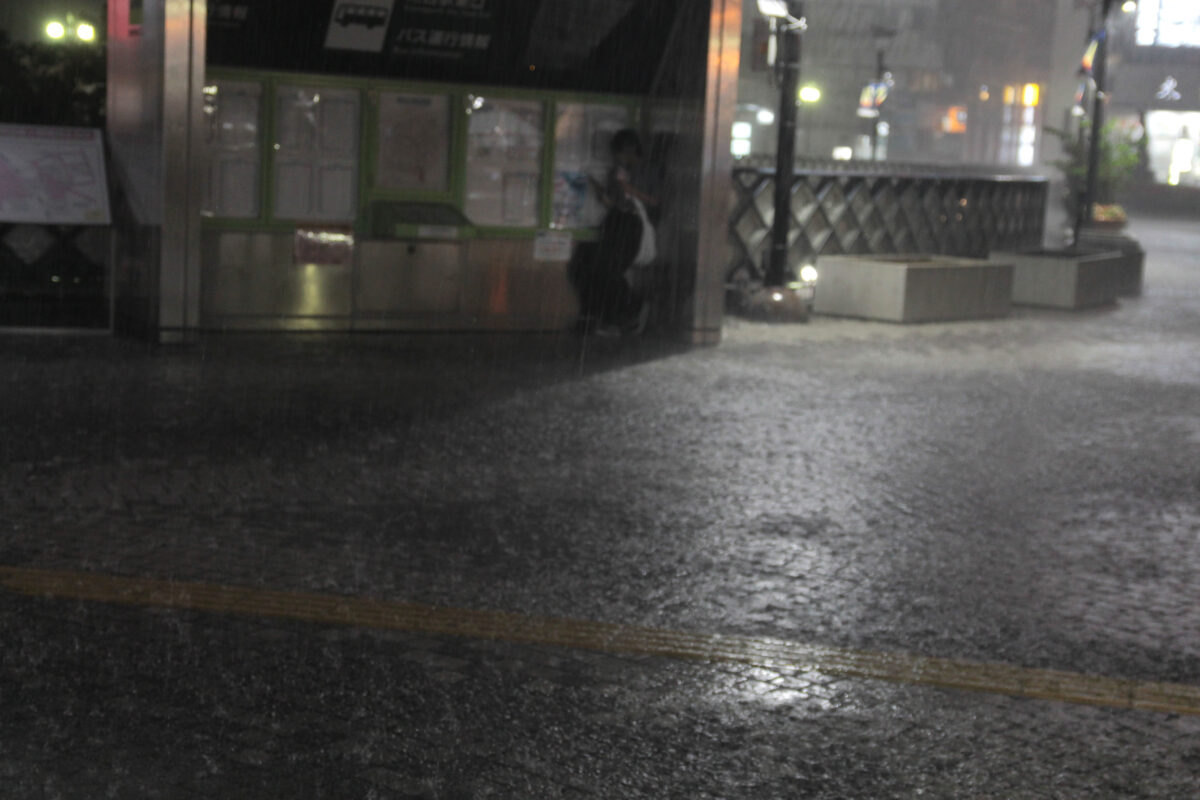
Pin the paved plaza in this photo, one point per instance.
(842, 559)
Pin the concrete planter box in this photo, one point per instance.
(913, 288)
(1069, 279)
(1133, 259)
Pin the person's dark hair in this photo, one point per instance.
(626, 137)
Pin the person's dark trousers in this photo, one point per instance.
(597, 270)
(620, 237)
(581, 270)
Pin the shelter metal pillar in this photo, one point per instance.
(716, 170)
(156, 60)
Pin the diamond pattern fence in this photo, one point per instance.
(843, 211)
(54, 275)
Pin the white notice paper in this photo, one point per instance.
(552, 246)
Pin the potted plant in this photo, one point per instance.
(1117, 164)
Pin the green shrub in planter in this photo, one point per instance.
(1118, 162)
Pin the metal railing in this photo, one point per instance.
(54, 276)
(886, 208)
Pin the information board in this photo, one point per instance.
(552, 246)
(414, 142)
(504, 153)
(52, 175)
(316, 153)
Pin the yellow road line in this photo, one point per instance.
(1069, 687)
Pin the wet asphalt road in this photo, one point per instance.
(1023, 491)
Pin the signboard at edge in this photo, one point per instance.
(409, 38)
(482, 42)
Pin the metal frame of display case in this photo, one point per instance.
(367, 191)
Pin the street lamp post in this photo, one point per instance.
(1100, 77)
(881, 36)
(788, 26)
(880, 70)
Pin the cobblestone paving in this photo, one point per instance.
(127, 703)
(1025, 490)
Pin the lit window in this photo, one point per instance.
(1168, 23)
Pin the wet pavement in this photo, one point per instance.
(1023, 492)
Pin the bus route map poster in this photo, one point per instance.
(52, 176)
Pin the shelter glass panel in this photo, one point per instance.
(232, 113)
(504, 161)
(582, 132)
(414, 142)
(316, 153)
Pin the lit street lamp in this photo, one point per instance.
(63, 30)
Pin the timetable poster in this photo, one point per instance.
(414, 142)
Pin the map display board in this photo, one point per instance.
(52, 175)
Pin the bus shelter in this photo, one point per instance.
(359, 165)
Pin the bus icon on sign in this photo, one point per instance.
(353, 14)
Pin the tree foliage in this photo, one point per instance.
(45, 83)
(1117, 164)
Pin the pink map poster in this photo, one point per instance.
(52, 175)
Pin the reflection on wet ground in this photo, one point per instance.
(1021, 493)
